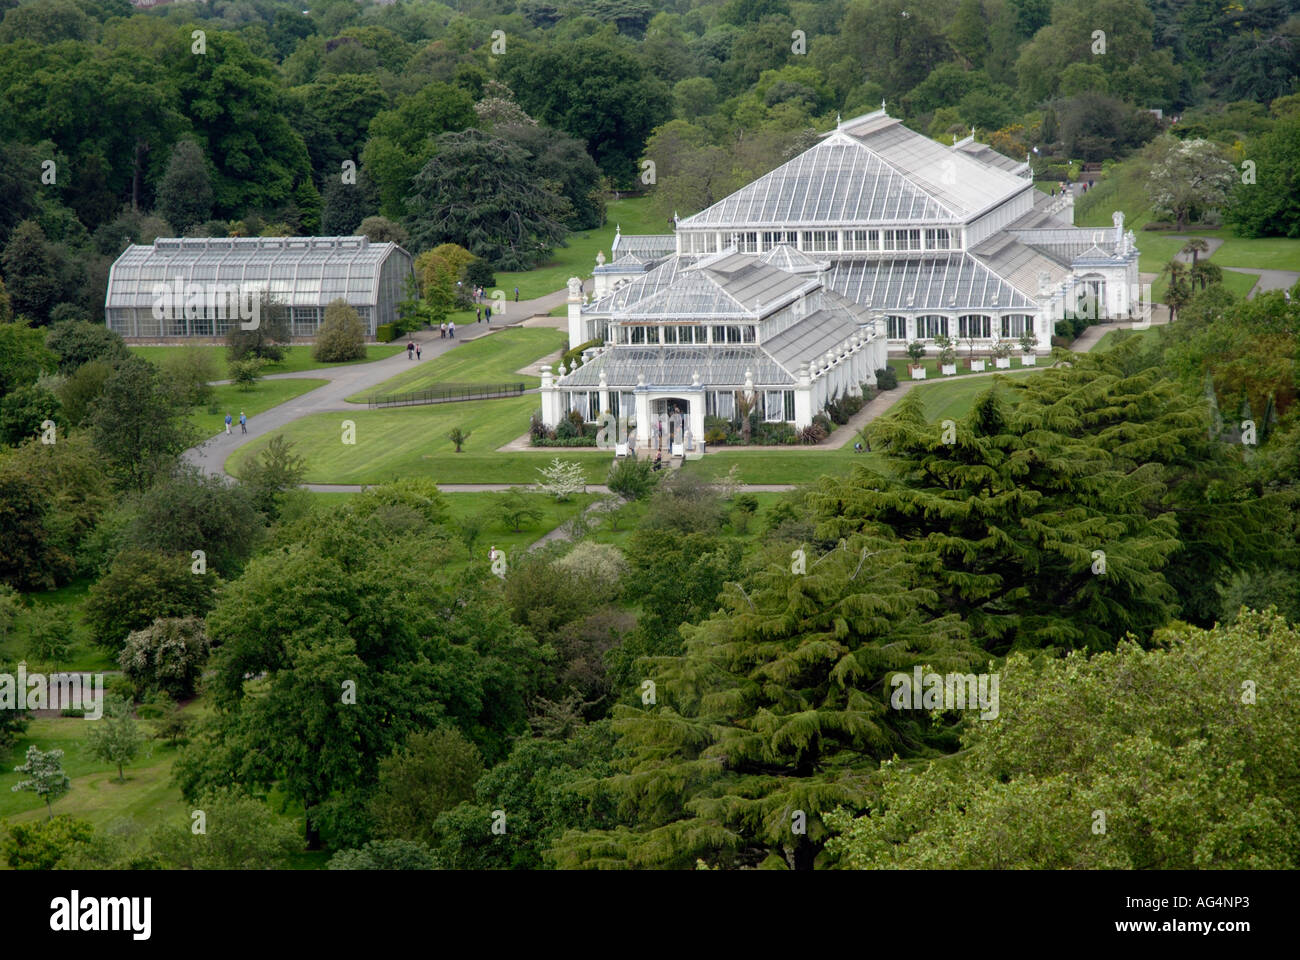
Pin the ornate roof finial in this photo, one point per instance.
(839, 121)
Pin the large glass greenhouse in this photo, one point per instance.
(204, 278)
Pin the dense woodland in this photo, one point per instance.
(681, 698)
(501, 126)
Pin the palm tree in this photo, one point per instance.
(1205, 274)
(1180, 289)
(745, 405)
(1194, 247)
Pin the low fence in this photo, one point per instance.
(447, 393)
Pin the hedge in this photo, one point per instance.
(573, 357)
(388, 332)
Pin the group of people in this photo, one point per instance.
(447, 330)
(479, 311)
(412, 349)
(243, 422)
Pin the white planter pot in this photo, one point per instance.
(1028, 359)
(977, 366)
(918, 373)
(948, 369)
(1002, 363)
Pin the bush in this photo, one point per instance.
(387, 332)
(341, 336)
(811, 434)
(686, 503)
(246, 372)
(824, 422)
(167, 656)
(582, 441)
(140, 587)
(632, 479)
(886, 378)
(573, 357)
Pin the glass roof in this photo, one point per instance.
(836, 182)
(954, 281)
(303, 270)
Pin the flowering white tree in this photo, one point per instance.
(1189, 177)
(47, 779)
(562, 479)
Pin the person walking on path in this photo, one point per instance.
(442, 331)
(516, 294)
(451, 330)
(243, 422)
(417, 351)
(410, 349)
(487, 312)
(229, 421)
(478, 313)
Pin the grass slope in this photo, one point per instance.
(229, 398)
(632, 214)
(412, 442)
(492, 359)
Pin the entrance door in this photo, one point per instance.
(670, 420)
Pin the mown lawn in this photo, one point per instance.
(412, 442)
(147, 797)
(230, 398)
(297, 357)
(84, 654)
(579, 257)
(1110, 339)
(492, 359)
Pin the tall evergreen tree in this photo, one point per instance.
(481, 192)
(772, 715)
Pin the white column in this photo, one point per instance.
(552, 399)
(642, 413)
(575, 313)
(803, 401)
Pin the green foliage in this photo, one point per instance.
(272, 474)
(432, 772)
(763, 712)
(140, 587)
(1271, 205)
(387, 332)
(25, 411)
(341, 336)
(45, 776)
(538, 788)
(116, 737)
(191, 510)
(246, 372)
(188, 375)
(632, 479)
(1173, 764)
(23, 356)
(479, 192)
(370, 617)
(167, 656)
(78, 342)
(185, 191)
(240, 833)
(385, 855)
(136, 425)
(515, 508)
(44, 844)
(458, 436)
